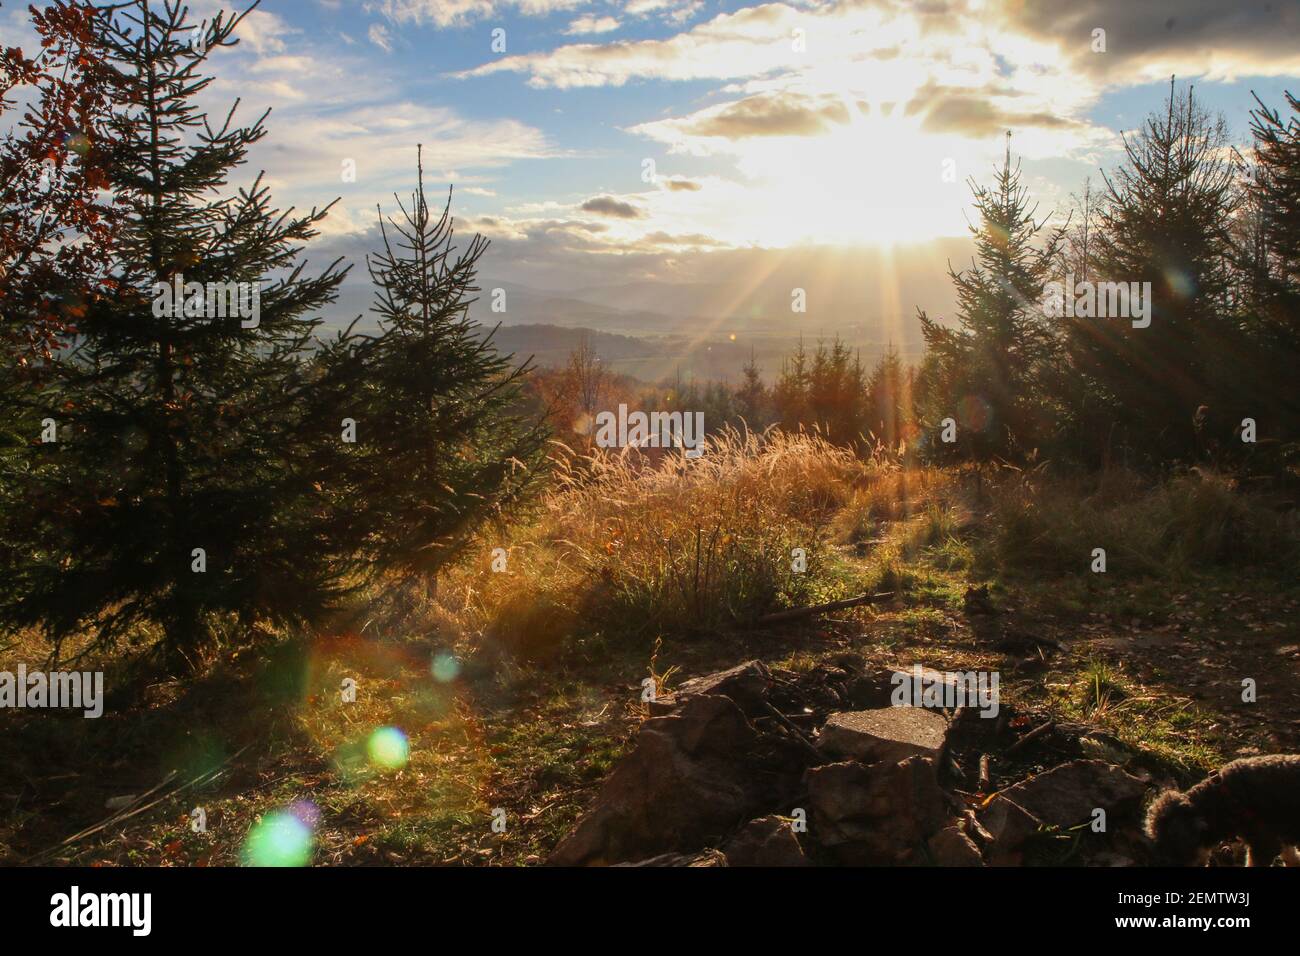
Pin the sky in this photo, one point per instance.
(614, 143)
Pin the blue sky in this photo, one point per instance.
(775, 129)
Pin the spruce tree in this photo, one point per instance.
(1164, 219)
(889, 400)
(991, 364)
(1268, 264)
(752, 399)
(790, 393)
(180, 497)
(443, 441)
(837, 393)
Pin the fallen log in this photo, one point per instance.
(797, 613)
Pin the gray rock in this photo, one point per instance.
(951, 847)
(1067, 795)
(888, 734)
(950, 689)
(878, 815)
(746, 684)
(1009, 825)
(692, 777)
(767, 841)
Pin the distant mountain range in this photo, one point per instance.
(657, 328)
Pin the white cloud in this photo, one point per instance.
(589, 24)
(263, 32)
(749, 42)
(455, 13)
(378, 34)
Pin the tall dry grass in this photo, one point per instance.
(1173, 528)
(625, 548)
(632, 548)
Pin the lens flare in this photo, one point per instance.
(445, 668)
(388, 749)
(306, 812)
(280, 838)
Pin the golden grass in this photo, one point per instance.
(676, 546)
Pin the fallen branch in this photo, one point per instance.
(794, 732)
(797, 613)
(1033, 734)
(136, 807)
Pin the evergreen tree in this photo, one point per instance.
(441, 441)
(990, 366)
(752, 398)
(889, 400)
(179, 495)
(837, 393)
(1164, 219)
(1268, 264)
(790, 393)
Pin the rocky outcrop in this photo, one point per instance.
(726, 773)
(882, 814)
(693, 776)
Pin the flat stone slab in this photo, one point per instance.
(747, 684)
(889, 733)
(1067, 795)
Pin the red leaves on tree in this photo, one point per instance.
(56, 229)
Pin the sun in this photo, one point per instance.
(877, 179)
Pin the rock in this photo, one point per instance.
(919, 686)
(838, 794)
(1067, 795)
(707, 858)
(767, 841)
(951, 847)
(870, 691)
(888, 734)
(692, 777)
(878, 815)
(1009, 825)
(705, 723)
(746, 684)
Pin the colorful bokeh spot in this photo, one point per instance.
(445, 668)
(281, 838)
(388, 749)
